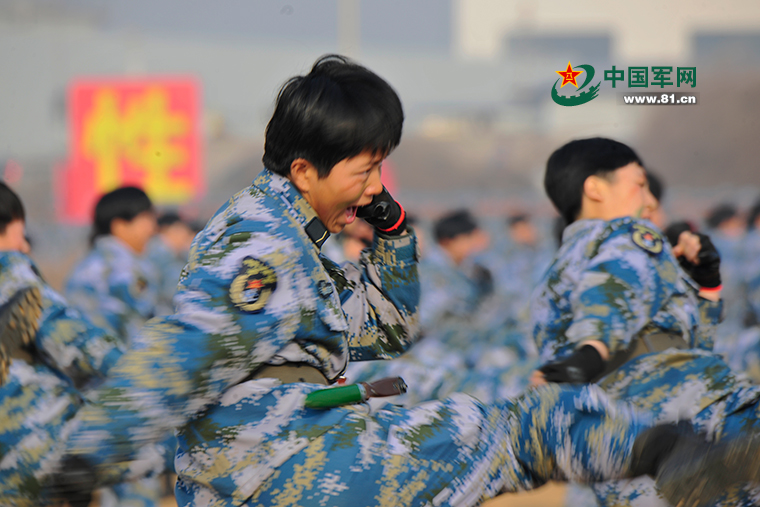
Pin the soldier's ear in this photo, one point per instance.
(593, 188)
(303, 175)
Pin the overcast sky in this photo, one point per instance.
(390, 24)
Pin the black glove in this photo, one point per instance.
(384, 214)
(707, 272)
(73, 483)
(580, 368)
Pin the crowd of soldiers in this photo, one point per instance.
(196, 350)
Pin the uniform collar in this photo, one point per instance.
(113, 245)
(282, 188)
(580, 227)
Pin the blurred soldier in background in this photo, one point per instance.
(451, 288)
(113, 285)
(517, 268)
(118, 290)
(262, 321)
(616, 307)
(13, 222)
(745, 354)
(55, 355)
(464, 348)
(167, 251)
(725, 226)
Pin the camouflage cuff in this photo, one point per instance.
(396, 250)
(712, 311)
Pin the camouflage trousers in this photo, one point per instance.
(39, 399)
(265, 448)
(720, 420)
(673, 397)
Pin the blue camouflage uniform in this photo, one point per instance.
(745, 356)
(516, 268)
(464, 309)
(167, 267)
(44, 388)
(113, 287)
(118, 291)
(733, 275)
(446, 291)
(468, 345)
(257, 291)
(617, 281)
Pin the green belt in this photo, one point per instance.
(291, 373)
(644, 344)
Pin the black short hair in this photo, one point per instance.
(168, 218)
(719, 214)
(454, 224)
(11, 207)
(336, 111)
(752, 215)
(569, 166)
(124, 203)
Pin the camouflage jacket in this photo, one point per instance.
(113, 287)
(43, 393)
(447, 292)
(167, 266)
(255, 290)
(616, 280)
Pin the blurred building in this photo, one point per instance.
(641, 32)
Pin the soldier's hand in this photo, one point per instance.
(687, 247)
(384, 214)
(699, 258)
(537, 379)
(73, 484)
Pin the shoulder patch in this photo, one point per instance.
(138, 288)
(646, 238)
(252, 287)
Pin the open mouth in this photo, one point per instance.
(350, 214)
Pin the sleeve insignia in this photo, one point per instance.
(138, 287)
(647, 238)
(252, 287)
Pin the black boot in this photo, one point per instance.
(19, 322)
(72, 485)
(691, 472)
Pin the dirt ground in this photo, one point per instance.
(550, 495)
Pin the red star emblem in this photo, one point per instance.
(254, 284)
(569, 75)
